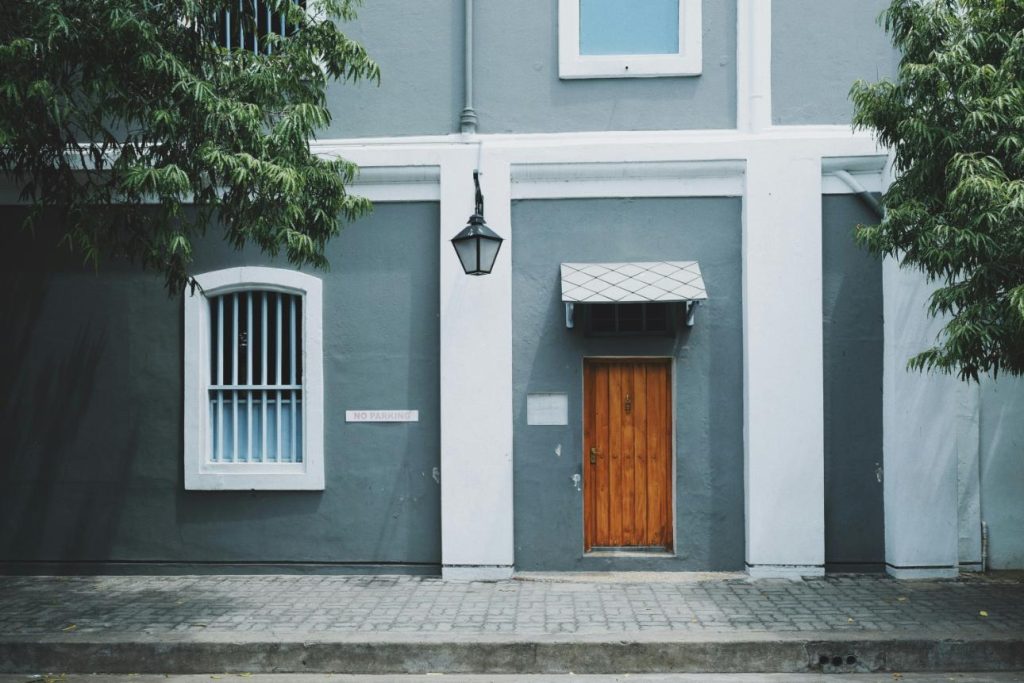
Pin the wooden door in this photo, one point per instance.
(627, 453)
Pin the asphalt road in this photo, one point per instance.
(446, 678)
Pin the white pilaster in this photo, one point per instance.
(782, 365)
(476, 382)
(925, 416)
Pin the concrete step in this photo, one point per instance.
(389, 654)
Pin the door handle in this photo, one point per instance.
(593, 455)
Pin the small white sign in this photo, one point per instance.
(547, 409)
(382, 416)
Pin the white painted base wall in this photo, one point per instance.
(476, 573)
(1001, 470)
(928, 429)
(792, 572)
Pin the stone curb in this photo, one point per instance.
(860, 655)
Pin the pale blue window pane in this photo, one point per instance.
(231, 453)
(629, 27)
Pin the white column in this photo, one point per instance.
(476, 382)
(782, 364)
(929, 426)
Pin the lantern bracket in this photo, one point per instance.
(479, 194)
(691, 312)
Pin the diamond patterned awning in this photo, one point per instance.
(632, 282)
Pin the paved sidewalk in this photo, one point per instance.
(708, 610)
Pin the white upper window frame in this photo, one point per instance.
(571, 64)
(200, 473)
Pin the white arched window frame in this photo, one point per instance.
(203, 470)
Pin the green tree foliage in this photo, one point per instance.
(954, 118)
(120, 114)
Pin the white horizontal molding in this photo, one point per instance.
(713, 178)
(427, 146)
(398, 183)
(832, 184)
(866, 172)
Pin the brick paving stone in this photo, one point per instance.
(358, 604)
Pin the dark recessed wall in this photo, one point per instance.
(91, 414)
(853, 357)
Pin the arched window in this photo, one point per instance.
(254, 381)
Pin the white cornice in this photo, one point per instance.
(628, 179)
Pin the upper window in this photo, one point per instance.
(628, 38)
(253, 381)
(248, 25)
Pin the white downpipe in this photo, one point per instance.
(984, 546)
(861, 192)
(753, 65)
(468, 119)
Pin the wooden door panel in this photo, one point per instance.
(640, 453)
(627, 498)
(627, 450)
(614, 456)
(601, 444)
(654, 483)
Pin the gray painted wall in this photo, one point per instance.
(853, 350)
(419, 47)
(518, 89)
(1002, 470)
(418, 44)
(819, 48)
(91, 419)
(708, 374)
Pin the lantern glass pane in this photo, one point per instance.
(466, 249)
(488, 253)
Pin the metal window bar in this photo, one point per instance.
(263, 379)
(220, 379)
(270, 48)
(291, 377)
(269, 377)
(247, 21)
(234, 377)
(277, 379)
(248, 377)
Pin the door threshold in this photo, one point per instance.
(630, 552)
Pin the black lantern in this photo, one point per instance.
(477, 245)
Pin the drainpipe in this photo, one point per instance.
(861, 192)
(984, 546)
(467, 122)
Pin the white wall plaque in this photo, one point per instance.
(547, 409)
(382, 416)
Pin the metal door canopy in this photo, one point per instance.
(634, 282)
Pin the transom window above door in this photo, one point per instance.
(629, 38)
